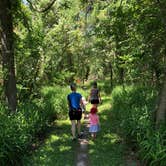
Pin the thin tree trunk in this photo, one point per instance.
(161, 110)
(6, 36)
(111, 75)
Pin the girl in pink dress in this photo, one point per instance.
(94, 122)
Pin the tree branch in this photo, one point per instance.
(41, 10)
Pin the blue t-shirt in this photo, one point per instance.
(74, 100)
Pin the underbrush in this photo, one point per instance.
(133, 109)
(18, 130)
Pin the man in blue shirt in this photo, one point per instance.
(75, 112)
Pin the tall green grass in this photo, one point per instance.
(18, 130)
(58, 149)
(133, 109)
(107, 148)
(55, 101)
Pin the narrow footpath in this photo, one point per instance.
(108, 149)
(82, 158)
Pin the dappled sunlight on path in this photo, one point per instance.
(82, 158)
(108, 149)
(58, 149)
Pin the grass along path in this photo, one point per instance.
(57, 150)
(107, 150)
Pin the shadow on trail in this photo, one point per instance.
(57, 146)
(107, 149)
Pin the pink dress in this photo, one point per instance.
(94, 123)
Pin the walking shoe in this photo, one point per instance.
(80, 135)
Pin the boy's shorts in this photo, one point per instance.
(75, 114)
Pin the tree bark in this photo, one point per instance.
(161, 110)
(6, 38)
(111, 75)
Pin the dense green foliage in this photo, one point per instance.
(82, 39)
(19, 130)
(119, 42)
(133, 109)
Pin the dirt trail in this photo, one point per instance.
(82, 158)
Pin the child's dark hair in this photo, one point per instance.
(93, 110)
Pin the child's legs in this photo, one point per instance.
(93, 134)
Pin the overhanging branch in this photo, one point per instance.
(41, 10)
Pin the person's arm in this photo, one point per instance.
(98, 120)
(89, 96)
(99, 97)
(90, 118)
(68, 102)
(84, 101)
(81, 102)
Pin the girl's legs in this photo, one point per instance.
(93, 135)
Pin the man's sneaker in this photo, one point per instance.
(80, 135)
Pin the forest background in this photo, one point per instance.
(46, 45)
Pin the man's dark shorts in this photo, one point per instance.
(75, 114)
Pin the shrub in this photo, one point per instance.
(152, 147)
(55, 101)
(133, 109)
(18, 130)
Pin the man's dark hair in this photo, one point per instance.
(73, 86)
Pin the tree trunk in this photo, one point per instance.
(111, 75)
(161, 110)
(6, 36)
